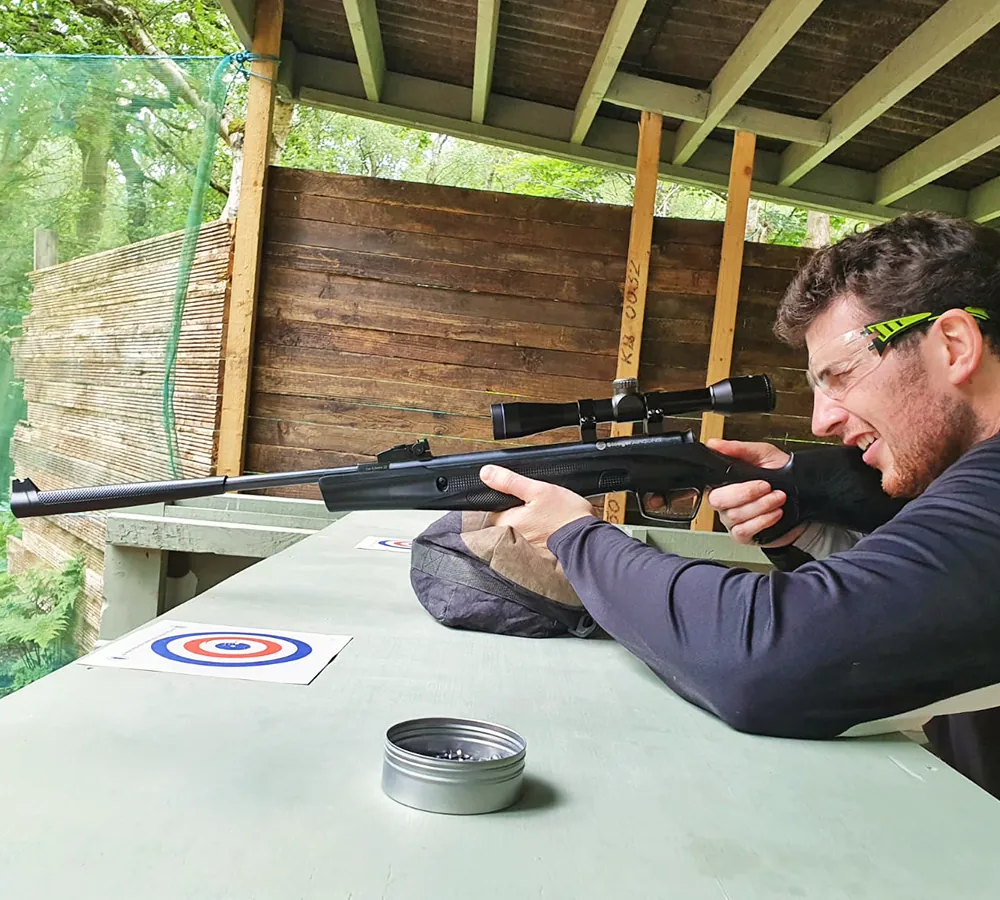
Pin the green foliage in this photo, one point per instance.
(37, 607)
(33, 664)
(9, 526)
(178, 27)
(37, 617)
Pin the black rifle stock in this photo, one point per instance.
(826, 484)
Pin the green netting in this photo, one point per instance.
(105, 152)
(102, 152)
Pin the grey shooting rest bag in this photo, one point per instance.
(478, 577)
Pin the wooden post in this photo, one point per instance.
(247, 243)
(647, 165)
(46, 248)
(727, 292)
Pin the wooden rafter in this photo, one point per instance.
(541, 128)
(984, 201)
(968, 138)
(691, 105)
(241, 14)
(773, 29)
(623, 20)
(487, 20)
(362, 18)
(944, 35)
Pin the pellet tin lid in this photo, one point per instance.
(456, 766)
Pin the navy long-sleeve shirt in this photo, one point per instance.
(900, 628)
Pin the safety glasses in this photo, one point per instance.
(841, 363)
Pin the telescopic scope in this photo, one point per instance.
(749, 393)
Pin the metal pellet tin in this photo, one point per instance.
(456, 766)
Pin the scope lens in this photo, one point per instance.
(514, 420)
(749, 393)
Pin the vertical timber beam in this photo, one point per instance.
(727, 292)
(247, 243)
(640, 240)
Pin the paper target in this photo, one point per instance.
(245, 648)
(221, 651)
(394, 545)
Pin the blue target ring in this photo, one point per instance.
(161, 647)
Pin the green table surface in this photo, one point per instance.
(143, 785)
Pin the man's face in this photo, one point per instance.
(909, 428)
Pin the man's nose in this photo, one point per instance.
(828, 416)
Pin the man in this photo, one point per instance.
(851, 633)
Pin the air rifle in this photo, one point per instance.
(667, 471)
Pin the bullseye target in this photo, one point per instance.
(395, 544)
(238, 649)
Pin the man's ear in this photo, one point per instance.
(960, 347)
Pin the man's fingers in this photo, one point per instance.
(764, 506)
(508, 482)
(757, 453)
(733, 495)
(745, 532)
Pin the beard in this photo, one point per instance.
(942, 429)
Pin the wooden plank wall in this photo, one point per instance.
(92, 357)
(390, 311)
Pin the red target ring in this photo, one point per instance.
(197, 647)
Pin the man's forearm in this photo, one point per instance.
(694, 639)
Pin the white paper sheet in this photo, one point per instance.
(221, 651)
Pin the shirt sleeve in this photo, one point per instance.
(906, 618)
(818, 541)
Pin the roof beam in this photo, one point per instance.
(953, 28)
(241, 14)
(968, 138)
(773, 29)
(362, 17)
(984, 202)
(611, 143)
(616, 37)
(691, 105)
(487, 19)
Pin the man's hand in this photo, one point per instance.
(547, 507)
(751, 506)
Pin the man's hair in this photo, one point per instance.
(918, 262)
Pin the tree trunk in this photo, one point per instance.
(136, 196)
(130, 26)
(281, 126)
(437, 145)
(94, 141)
(236, 179)
(817, 230)
(753, 219)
